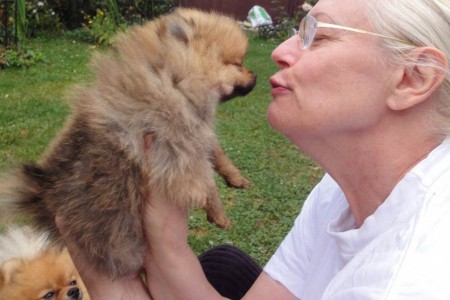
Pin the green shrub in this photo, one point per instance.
(103, 27)
(10, 58)
(282, 25)
(73, 13)
(41, 17)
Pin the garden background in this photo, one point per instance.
(51, 55)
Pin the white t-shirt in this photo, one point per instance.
(402, 251)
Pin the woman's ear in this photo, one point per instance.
(415, 83)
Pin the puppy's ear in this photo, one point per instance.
(65, 255)
(178, 31)
(8, 269)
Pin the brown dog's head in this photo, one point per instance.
(50, 276)
(200, 55)
(220, 44)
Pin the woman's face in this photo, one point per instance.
(335, 88)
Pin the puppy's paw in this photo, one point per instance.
(221, 221)
(238, 182)
(215, 211)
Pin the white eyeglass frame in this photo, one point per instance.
(308, 28)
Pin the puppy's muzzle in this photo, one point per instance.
(74, 294)
(242, 90)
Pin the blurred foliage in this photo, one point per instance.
(281, 28)
(73, 13)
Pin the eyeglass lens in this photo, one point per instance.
(307, 31)
(293, 32)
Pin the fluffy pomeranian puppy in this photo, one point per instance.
(32, 269)
(166, 78)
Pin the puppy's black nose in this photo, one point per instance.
(74, 293)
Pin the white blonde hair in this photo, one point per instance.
(423, 23)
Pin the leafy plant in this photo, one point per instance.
(20, 22)
(103, 27)
(10, 58)
(41, 16)
(73, 12)
(113, 11)
(279, 31)
(282, 25)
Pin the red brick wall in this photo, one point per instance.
(239, 8)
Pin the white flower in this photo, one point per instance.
(306, 7)
(40, 3)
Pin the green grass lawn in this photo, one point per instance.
(33, 107)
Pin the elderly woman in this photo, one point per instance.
(363, 89)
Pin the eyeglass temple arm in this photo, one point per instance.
(327, 25)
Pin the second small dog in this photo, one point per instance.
(32, 269)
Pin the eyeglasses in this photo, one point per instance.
(308, 29)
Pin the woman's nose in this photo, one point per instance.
(286, 53)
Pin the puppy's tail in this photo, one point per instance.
(21, 193)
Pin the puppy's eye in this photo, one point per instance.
(49, 295)
(73, 282)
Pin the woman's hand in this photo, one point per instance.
(173, 270)
(165, 224)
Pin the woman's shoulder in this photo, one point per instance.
(435, 168)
